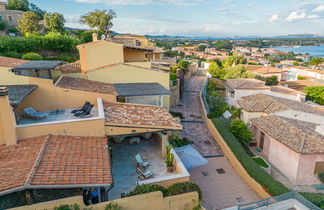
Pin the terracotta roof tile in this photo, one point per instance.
(299, 136)
(149, 116)
(11, 62)
(86, 85)
(55, 160)
(247, 84)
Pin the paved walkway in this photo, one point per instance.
(220, 190)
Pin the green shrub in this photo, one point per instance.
(321, 177)
(68, 207)
(184, 187)
(315, 94)
(176, 114)
(32, 56)
(301, 77)
(12, 54)
(315, 198)
(173, 76)
(113, 206)
(273, 80)
(147, 188)
(271, 185)
(241, 131)
(176, 141)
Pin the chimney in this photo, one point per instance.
(94, 37)
(8, 134)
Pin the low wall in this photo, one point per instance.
(154, 200)
(232, 158)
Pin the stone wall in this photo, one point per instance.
(175, 93)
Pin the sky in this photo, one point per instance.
(204, 18)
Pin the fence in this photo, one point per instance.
(276, 199)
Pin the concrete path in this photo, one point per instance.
(221, 186)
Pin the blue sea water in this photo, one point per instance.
(316, 51)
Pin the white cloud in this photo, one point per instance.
(274, 18)
(319, 9)
(293, 16)
(146, 2)
(312, 16)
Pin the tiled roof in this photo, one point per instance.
(263, 69)
(17, 93)
(246, 84)
(300, 84)
(55, 160)
(270, 104)
(139, 115)
(289, 91)
(298, 135)
(140, 89)
(86, 85)
(11, 62)
(69, 67)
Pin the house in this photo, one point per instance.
(300, 84)
(304, 58)
(11, 17)
(293, 73)
(238, 88)
(266, 71)
(289, 133)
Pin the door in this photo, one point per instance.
(261, 141)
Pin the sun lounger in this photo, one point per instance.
(140, 161)
(144, 174)
(85, 112)
(81, 109)
(32, 113)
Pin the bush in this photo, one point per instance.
(315, 198)
(147, 188)
(176, 114)
(321, 177)
(241, 131)
(176, 141)
(315, 94)
(271, 185)
(300, 77)
(273, 80)
(68, 207)
(12, 54)
(184, 187)
(173, 76)
(32, 56)
(113, 206)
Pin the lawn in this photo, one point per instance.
(260, 162)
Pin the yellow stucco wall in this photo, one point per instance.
(7, 122)
(132, 74)
(9, 78)
(100, 53)
(152, 201)
(133, 55)
(115, 131)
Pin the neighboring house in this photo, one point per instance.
(304, 58)
(300, 84)
(266, 71)
(238, 88)
(293, 73)
(289, 133)
(11, 17)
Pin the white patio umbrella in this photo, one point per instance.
(190, 157)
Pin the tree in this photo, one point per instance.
(296, 63)
(239, 71)
(315, 94)
(29, 23)
(3, 25)
(99, 19)
(201, 48)
(241, 131)
(273, 80)
(37, 10)
(216, 71)
(234, 60)
(223, 45)
(54, 22)
(316, 61)
(18, 5)
(183, 65)
(170, 54)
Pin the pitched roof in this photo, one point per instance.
(300, 84)
(17, 93)
(86, 85)
(298, 135)
(11, 62)
(244, 83)
(270, 104)
(139, 115)
(140, 89)
(263, 69)
(55, 160)
(69, 67)
(39, 65)
(285, 90)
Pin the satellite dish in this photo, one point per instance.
(103, 37)
(286, 85)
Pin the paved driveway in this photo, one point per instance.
(220, 190)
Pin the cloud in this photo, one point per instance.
(146, 2)
(293, 16)
(274, 18)
(319, 9)
(312, 16)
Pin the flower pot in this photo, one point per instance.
(170, 169)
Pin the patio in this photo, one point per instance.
(56, 115)
(123, 164)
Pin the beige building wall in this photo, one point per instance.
(132, 74)
(7, 120)
(100, 53)
(306, 168)
(246, 116)
(9, 78)
(131, 55)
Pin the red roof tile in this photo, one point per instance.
(11, 62)
(55, 160)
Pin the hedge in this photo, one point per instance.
(271, 185)
(32, 56)
(147, 188)
(315, 198)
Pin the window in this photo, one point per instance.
(319, 167)
(10, 18)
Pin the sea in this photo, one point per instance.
(316, 51)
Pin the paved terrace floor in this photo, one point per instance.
(123, 164)
(220, 190)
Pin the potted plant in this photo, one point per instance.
(169, 159)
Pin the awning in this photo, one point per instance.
(38, 65)
(140, 89)
(190, 157)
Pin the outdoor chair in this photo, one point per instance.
(84, 113)
(145, 174)
(81, 109)
(140, 161)
(32, 113)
